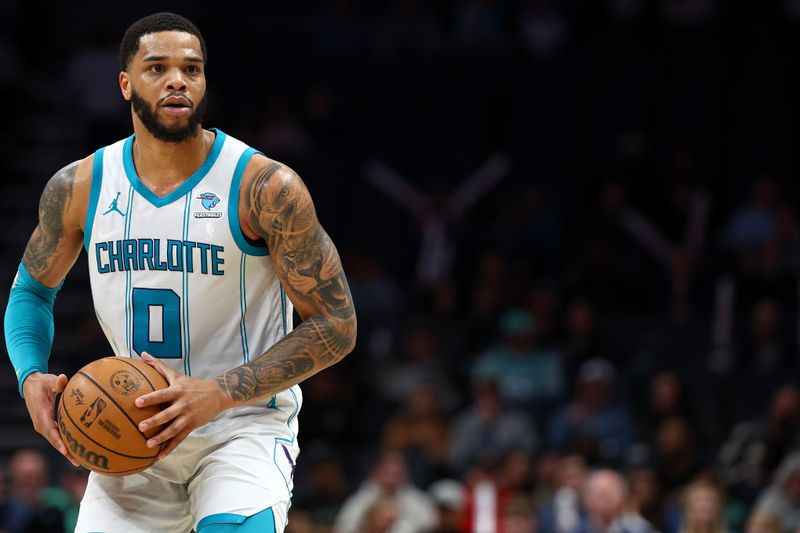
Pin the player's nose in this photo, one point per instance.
(176, 80)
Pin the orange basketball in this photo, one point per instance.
(98, 420)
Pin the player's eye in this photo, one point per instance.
(193, 69)
(157, 68)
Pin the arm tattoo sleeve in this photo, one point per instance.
(305, 259)
(42, 248)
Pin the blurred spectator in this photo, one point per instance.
(375, 294)
(604, 497)
(488, 289)
(678, 459)
(387, 499)
(14, 514)
(563, 512)
(420, 365)
(703, 509)
(382, 516)
(299, 521)
(449, 497)
(754, 223)
(518, 516)
(487, 431)
(782, 497)
(445, 315)
(593, 423)
(581, 340)
(756, 447)
(543, 303)
(491, 500)
(669, 398)
(29, 477)
(762, 522)
(420, 431)
(67, 496)
(766, 356)
(646, 498)
(516, 473)
(527, 376)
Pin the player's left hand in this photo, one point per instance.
(192, 403)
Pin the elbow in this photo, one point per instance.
(346, 332)
(351, 332)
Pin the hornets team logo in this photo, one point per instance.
(209, 200)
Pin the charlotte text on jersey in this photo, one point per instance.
(155, 254)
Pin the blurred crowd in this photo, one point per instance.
(571, 232)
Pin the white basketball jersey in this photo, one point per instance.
(174, 276)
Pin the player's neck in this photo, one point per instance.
(164, 165)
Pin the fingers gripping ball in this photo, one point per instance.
(98, 420)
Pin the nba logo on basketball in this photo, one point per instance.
(88, 417)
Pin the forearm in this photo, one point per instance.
(28, 325)
(316, 344)
(307, 264)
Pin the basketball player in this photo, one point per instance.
(198, 249)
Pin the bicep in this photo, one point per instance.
(55, 243)
(303, 254)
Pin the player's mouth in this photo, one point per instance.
(177, 106)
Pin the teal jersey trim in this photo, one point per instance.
(233, 207)
(283, 309)
(188, 185)
(94, 196)
(243, 307)
(128, 288)
(185, 284)
(260, 522)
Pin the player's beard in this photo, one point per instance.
(172, 134)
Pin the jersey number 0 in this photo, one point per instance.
(157, 322)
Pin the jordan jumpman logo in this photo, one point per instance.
(113, 206)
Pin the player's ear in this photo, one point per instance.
(125, 85)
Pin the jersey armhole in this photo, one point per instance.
(94, 195)
(233, 207)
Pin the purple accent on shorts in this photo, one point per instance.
(289, 458)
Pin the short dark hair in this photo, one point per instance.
(153, 24)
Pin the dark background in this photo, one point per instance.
(648, 215)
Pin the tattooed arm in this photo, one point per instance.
(274, 206)
(279, 210)
(56, 242)
(49, 255)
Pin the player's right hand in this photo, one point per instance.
(40, 396)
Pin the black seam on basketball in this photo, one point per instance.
(152, 387)
(75, 424)
(121, 410)
(155, 458)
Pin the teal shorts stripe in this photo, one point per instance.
(263, 522)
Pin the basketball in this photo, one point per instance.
(98, 420)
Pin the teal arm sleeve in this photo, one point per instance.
(29, 325)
